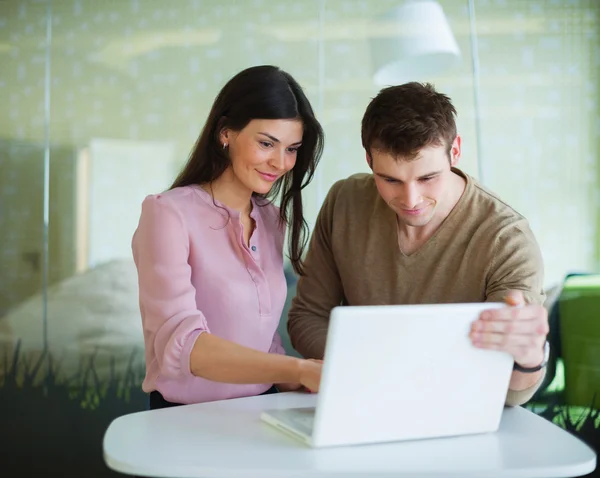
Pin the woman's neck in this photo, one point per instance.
(228, 190)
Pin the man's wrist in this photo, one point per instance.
(534, 365)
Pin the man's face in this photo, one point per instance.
(418, 188)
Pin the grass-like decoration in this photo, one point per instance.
(57, 425)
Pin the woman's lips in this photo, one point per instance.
(268, 177)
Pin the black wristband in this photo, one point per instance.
(520, 368)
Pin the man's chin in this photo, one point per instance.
(415, 221)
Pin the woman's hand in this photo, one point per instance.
(309, 376)
(288, 387)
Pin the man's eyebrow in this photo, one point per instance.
(428, 175)
(385, 176)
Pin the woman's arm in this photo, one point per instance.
(220, 360)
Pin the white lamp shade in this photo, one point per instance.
(413, 42)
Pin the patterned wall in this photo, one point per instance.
(142, 71)
(541, 131)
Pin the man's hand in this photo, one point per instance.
(520, 330)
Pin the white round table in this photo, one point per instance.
(227, 439)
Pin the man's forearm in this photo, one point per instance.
(523, 386)
(308, 335)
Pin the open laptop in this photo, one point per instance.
(402, 372)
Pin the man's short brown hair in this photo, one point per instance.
(403, 119)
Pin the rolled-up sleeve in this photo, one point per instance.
(171, 320)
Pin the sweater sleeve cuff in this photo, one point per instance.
(519, 397)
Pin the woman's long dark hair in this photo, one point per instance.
(261, 92)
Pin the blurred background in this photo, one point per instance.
(103, 100)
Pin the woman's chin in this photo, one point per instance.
(263, 191)
(262, 187)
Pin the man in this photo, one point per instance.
(418, 230)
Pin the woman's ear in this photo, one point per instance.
(224, 137)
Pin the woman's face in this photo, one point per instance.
(263, 151)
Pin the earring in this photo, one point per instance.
(224, 146)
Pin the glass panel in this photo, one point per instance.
(22, 145)
(23, 55)
(540, 95)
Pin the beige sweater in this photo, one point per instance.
(483, 249)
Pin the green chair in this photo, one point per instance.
(579, 307)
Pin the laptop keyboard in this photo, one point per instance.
(302, 418)
(306, 421)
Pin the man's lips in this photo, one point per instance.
(413, 212)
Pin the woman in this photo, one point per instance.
(209, 251)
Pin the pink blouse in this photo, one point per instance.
(196, 275)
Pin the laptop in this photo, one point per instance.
(401, 372)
